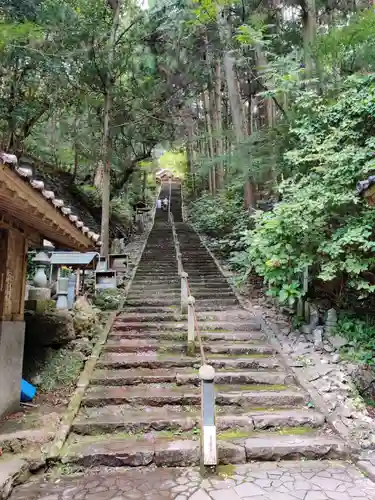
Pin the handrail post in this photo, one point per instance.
(179, 263)
(191, 326)
(208, 424)
(184, 293)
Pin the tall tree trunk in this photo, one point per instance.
(190, 153)
(219, 126)
(234, 96)
(144, 186)
(269, 103)
(309, 35)
(106, 178)
(210, 144)
(209, 108)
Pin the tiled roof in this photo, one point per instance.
(26, 173)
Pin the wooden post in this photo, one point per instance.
(13, 262)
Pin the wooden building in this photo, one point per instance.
(28, 214)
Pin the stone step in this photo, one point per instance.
(129, 308)
(125, 418)
(201, 280)
(150, 316)
(157, 395)
(153, 270)
(200, 305)
(269, 448)
(140, 345)
(169, 360)
(171, 275)
(253, 336)
(171, 287)
(212, 305)
(130, 451)
(167, 294)
(186, 376)
(233, 315)
(204, 326)
(239, 378)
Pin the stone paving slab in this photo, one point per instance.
(266, 481)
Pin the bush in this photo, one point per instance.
(215, 215)
(108, 300)
(321, 223)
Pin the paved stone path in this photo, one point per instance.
(263, 481)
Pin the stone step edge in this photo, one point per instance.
(182, 325)
(166, 335)
(87, 424)
(105, 396)
(251, 377)
(179, 453)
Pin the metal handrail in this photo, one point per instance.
(206, 372)
(198, 332)
(181, 270)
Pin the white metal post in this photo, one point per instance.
(208, 424)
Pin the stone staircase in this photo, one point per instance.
(143, 403)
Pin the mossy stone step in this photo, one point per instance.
(204, 326)
(186, 376)
(182, 420)
(151, 395)
(171, 360)
(131, 451)
(255, 336)
(139, 345)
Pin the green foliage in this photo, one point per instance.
(60, 369)
(215, 216)
(121, 207)
(174, 161)
(320, 221)
(361, 334)
(31, 267)
(108, 300)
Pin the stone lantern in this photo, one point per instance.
(366, 188)
(40, 289)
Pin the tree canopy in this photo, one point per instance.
(268, 106)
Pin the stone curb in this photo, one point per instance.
(53, 451)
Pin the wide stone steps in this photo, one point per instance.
(126, 345)
(171, 360)
(186, 376)
(251, 336)
(171, 295)
(125, 418)
(201, 305)
(160, 395)
(204, 326)
(133, 451)
(142, 406)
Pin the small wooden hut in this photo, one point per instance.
(28, 214)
